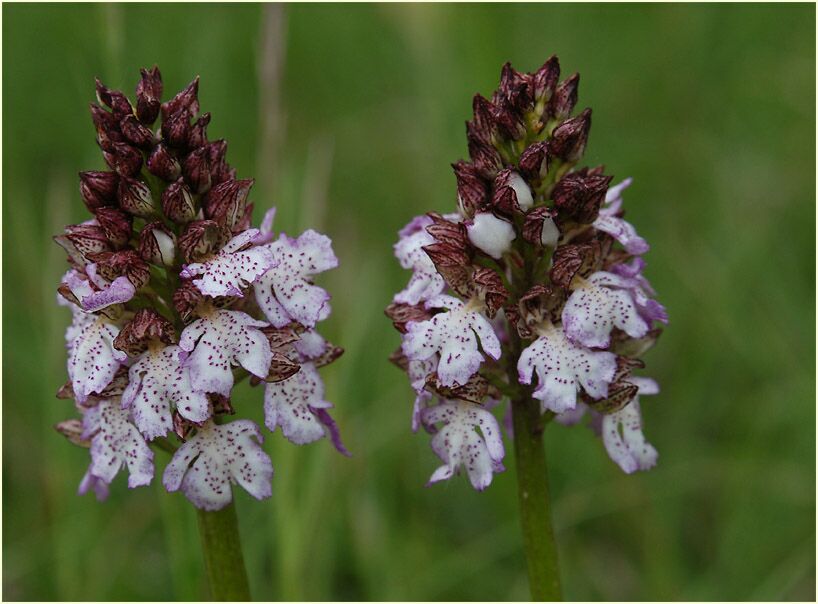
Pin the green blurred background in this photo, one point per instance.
(348, 117)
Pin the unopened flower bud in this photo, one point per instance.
(485, 158)
(545, 79)
(219, 170)
(472, 190)
(197, 137)
(570, 260)
(569, 138)
(116, 225)
(147, 325)
(201, 239)
(539, 227)
(148, 95)
(122, 263)
(509, 120)
(114, 99)
(186, 100)
(511, 193)
(579, 197)
(135, 197)
(535, 161)
(490, 234)
(483, 126)
(107, 126)
(196, 170)
(162, 163)
(82, 240)
(453, 263)
(123, 158)
(178, 203)
(98, 189)
(135, 132)
(516, 90)
(157, 244)
(226, 202)
(565, 97)
(175, 128)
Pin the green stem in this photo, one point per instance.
(222, 553)
(535, 507)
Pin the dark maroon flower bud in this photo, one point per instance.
(81, 241)
(515, 89)
(401, 314)
(488, 286)
(185, 100)
(124, 159)
(186, 298)
(219, 170)
(446, 231)
(197, 137)
(113, 99)
(107, 126)
(98, 189)
(510, 120)
(146, 326)
(116, 225)
(453, 263)
(565, 98)
(162, 163)
(157, 244)
(512, 195)
(539, 227)
(175, 129)
(201, 239)
(545, 79)
(122, 263)
(178, 203)
(535, 161)
(135, 197)
(573, 259)
(226, 202)
(569, 138)
(472, 190)
(196, 170)
(579, 197)
(135, 132)
(482, 126)
(149, 95)
(485, 158)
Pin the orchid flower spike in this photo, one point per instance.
(175, 298)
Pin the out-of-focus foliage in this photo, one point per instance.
(710, 108)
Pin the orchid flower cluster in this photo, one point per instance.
(534, 287)
(175, 299)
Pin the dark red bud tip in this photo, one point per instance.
(122, 263)
(545, 79)
(197, 137)
(113, 99)
(226, 202)
(116, 224)
(135, 197)
(472, 189)
(149, 95)
(98, 189)
(186, 100)
(201, 239)
(535, 161)
(569, 138)
(124, 159)
(196, 170)
(178, 203)
(578, 196)
(163, 163)
(135, 132)
(175, 128)
(81, 241)
(565, 97)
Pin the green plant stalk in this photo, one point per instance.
(221, 547)
(535, 506)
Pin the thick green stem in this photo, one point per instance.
(535, 507)
(222, 553)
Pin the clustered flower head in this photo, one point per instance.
(533, 287)
(175, 299)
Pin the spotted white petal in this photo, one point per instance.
(490, 234)
(459, 444)
(115, 442)
(292, 404)
(562, 367)
(231, 270)
(90, 482)
(158, 382)
(598, 306)
(425, 282)
(456, 336)
(622, 433)
(285, 293)
(219, 341)
(93, 360)
(216, 457)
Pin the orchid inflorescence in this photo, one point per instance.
(535, 279)
(175, 299)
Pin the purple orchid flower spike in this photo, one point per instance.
(175, 298)
(533, 290)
